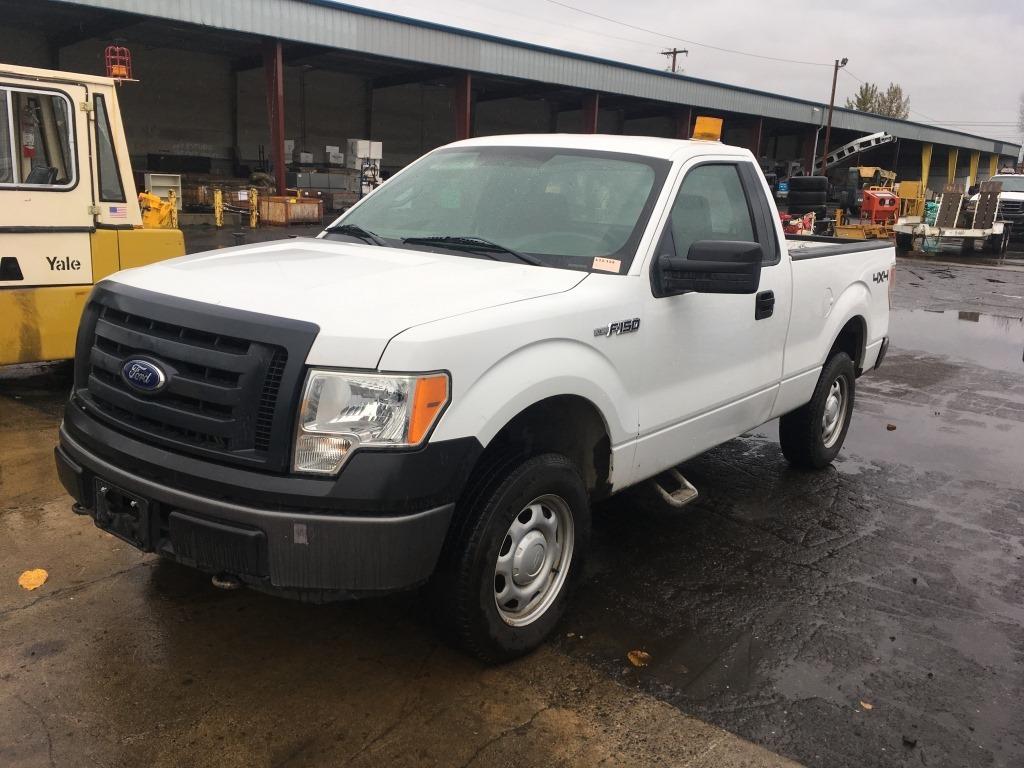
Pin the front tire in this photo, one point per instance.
(812, 435)
(516, 547)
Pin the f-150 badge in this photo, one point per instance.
(619, 327)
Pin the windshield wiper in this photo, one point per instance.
(356, 231)
(472, 242)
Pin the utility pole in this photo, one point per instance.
(673, 52)
(831, 105)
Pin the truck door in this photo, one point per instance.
(45, 185)
(714, 361)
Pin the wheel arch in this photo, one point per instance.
(852, 339)
(569, 424)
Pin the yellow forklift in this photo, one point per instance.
(69, 214)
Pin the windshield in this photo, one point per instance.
(1011, 183)
(567, 208)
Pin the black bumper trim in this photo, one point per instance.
(305, 551)
(392, 482)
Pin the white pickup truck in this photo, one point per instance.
(436, 389)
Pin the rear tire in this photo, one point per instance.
(515, 550)
(812, 435)
(904, 242)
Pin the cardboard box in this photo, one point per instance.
(306, 158)
(358, 148)
(364, 148)
(336, 158)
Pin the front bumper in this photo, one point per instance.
(378, 527)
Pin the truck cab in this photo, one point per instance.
(69, 214)
(1011, 201)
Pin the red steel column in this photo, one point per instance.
(591, 104)
(683, 123)
(273, 67)
(758, 130)
(463, 105)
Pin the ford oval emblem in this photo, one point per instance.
(143, 375)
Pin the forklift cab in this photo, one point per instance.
(69, 214)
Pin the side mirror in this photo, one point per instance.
(712, 266)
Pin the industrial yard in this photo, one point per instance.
(515, 403)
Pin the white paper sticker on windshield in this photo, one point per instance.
(606, 265)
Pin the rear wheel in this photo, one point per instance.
(515, 549)
(812, 435)
(904, 242)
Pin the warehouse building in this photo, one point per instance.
(222, 86)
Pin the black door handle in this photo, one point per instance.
(764, 305)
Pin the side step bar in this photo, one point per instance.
(681, 496)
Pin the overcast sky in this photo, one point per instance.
(959, 60)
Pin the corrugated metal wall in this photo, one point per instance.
(323, 23)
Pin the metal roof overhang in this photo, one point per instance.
(333, 25)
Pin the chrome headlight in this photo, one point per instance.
(341, 411)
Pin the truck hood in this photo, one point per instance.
(361, 296)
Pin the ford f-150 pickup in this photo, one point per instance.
(435, 390)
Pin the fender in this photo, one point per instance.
(853, 302)
(521, 378)
(797, 388)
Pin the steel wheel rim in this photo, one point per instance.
(834, 416)
(533, 560)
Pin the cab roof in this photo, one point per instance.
(648, 146)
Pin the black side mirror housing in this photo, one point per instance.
(712, 266)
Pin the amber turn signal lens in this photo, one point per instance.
(430, 397)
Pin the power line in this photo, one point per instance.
(535, 20)
(683, 39)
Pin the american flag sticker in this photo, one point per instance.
(119, 211)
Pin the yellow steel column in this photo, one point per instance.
(926, 164)
(254, 207)
(993, 165)
(973, 177)
(951, 172)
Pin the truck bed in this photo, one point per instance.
(817, 246)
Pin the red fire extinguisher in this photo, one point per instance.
(28, 132)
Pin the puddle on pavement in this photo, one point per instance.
(992, 341)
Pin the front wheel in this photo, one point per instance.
(812, 435)
(516, 548)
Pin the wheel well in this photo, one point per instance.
(566, 424)
(851, 340)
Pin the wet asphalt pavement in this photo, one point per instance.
(868, 615)
(871, 614)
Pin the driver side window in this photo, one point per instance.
(710, 205)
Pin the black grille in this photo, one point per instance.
(268, 398)
(227, 374)
(1011, 207)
